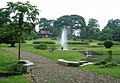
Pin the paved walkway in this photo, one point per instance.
(47, 71)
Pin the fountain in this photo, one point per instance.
(64, 39)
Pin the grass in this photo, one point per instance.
(115, 49)
(112, 71)
(115, 58)
(42, 39)
(8, 63)
(73, 55)
(15, 79)
(56, 54)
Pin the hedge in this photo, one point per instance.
(114, 43)
(45, 42)
(80, 43)
(41, 46)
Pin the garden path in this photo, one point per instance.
(48, 71)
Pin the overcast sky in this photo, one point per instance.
(102, 10)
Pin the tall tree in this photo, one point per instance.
(114, 26)
(92, 29)
(48, 25)
(93, 23)
(14, 11)
(43, 23)
(106, 34)
(70, 22)
(17, 12)
(4, 16)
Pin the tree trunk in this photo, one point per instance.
(12, 45)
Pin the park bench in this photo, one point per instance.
(68, 63)
(25, 64)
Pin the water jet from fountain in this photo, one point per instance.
(64, 39)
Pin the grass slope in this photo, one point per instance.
(112, 71)
(15, 79)
(8, 63)
(56, 54)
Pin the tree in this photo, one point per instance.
(4, 16)
(93, 23)
(92, 29)
(9, 34)
(62, 22)
(114, 26)
(43, 23)
(14, 11)
(70, 22)
(106, 34)
(48, 25)
(17, 12)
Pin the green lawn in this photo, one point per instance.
(15, 79)
(42, 39)
(113, 71)
(56, 54)
(73, 55)
(8, 63)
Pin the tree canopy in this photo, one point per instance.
(12, 12)
(111, 30)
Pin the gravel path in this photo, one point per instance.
(47, 71)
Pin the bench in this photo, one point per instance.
(25, 64)
(68, 63)
(82, 62)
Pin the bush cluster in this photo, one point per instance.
(80, 43)
(115, 43)
(108, 44)
(100, 43)
(104, 64)
(45, 42)
(111, 64)
(41, 46)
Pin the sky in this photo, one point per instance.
(102, 10)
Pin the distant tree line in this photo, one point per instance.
(9, 25)
(90, 30)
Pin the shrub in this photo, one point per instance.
(103, 62)
(52, 48)
(116, 43)
(82, 40)
(41, 47)
(46, 42)
(99, 43)
(111, 64)
(98, 63)
(108, 44)
(79, 43)
(90, 40)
